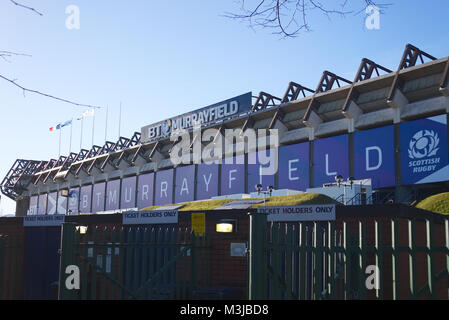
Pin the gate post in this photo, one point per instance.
(257, 256)
(67, 252)
(2, 264)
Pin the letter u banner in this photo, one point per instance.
(424, 151)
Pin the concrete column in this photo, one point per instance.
(22, 206)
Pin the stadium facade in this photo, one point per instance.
(387, 126)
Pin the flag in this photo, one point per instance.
(61, 125)
(67, 123)
(87, 113)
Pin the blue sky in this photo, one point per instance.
(164, 58)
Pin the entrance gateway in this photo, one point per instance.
(153, 255)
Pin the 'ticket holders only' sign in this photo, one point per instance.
(150, 217)
(43, 221)
(299, 213)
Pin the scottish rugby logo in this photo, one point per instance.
(423, 144)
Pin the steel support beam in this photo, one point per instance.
(327, 82)
(409, 59)
(265, 100)
(350, 108)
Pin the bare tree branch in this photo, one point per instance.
(290, 17)
(26, 7)
(46, 95)
(7, 54)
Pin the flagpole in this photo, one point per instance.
(106, 127)
(71, 127)
(119, 119)
(93, 128)
(60, 134)
(81, 137)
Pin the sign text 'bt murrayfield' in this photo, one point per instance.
(202, 117)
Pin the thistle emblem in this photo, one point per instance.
(423, 144)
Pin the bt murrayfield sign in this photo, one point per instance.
(204, 116)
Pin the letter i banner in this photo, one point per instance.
(424, 150)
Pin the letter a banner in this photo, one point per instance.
(424, 151)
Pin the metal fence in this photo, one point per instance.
(349, 259)
(133, 262)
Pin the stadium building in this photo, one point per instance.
(388, 127)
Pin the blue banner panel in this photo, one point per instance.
(42, 206)
(256, 174)
(33, 205)
(145, 190)
(62, 204)
(74, 196)
(185, 187)
(85, 199)
(206, 181)
(330, 158)
(51, 203)
(374, 156)
(164, 187)
(112, 195)
(424, 151)
(128, 198)
(294, 167)
(233, 175)
(98, 197)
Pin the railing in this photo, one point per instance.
(357, 199)
(381, 198)
(369, 259)
(134, 263)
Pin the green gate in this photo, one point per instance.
(358, 258)
(132, 262)
(11, 267)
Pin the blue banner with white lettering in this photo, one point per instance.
(424, 151)
(330, 158)
(374, 156)
(294, 166)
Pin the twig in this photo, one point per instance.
(269, 14)
(26, 7)
(47, 95)
(5, 54)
